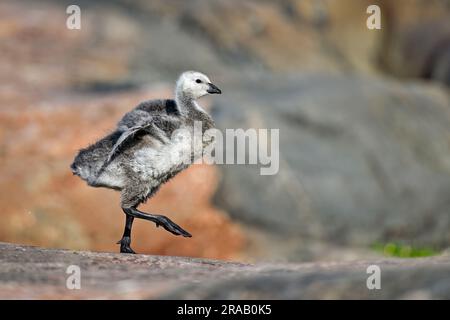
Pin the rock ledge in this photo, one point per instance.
(36, 273)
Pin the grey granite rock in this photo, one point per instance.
(362, 160)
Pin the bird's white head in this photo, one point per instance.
(194, 85)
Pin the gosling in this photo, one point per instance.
(142, 153)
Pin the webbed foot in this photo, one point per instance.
(125, 245)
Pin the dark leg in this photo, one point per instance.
(126, 238)
(159, 220)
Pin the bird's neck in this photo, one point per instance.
(186, 104)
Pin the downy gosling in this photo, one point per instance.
(140, 155)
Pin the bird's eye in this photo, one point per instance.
(198, 81)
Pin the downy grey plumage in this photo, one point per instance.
(144, 150)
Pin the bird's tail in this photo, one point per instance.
(89, 162)
(82, 169)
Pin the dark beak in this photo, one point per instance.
(213, 89)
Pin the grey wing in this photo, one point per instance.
(149, 117)
(131, 133)
(134, 122)
(145, 112)
(133, 119)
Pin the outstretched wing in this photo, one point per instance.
(131, 133)
(152, 118)
(146, 112)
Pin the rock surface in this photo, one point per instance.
(34, 273)
(361, 160)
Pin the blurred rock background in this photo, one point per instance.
(364, 119)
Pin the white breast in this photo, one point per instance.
(156, 160)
